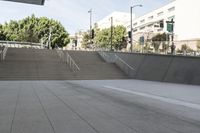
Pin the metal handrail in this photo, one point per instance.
(122, 61)
(72, 64)
(103, 54)
(118, 61)
(68, 59)
(16, 44)
(3, 53)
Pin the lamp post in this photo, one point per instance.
(90, 11)
(49, 38)
(111, 35)
(132, 25)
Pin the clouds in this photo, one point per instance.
(73, 14)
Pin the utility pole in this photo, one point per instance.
(90, 11)
(111, 36)
(49, 38)
(131, 31)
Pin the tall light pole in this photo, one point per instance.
(49, 38)
(132, 25)
(90, 11)
(111, 36)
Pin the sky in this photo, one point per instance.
(73, 14)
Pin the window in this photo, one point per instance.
(134, 24)
(171, 9)
(150, 25)
(142, 21)
(151, 17)
(142, 28)
(160, 14)
(134, 30)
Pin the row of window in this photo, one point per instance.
(158, 15)
(142, 28)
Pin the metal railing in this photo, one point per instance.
(113, 58)
(3, 53)
(123, 65)
(15, 44)
(72, 63)
(106, 57)
(68, 59)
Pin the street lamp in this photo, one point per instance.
(49, 38)
(132, 24)
(111, 35)
(90, 11)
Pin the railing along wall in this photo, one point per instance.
(113, 58)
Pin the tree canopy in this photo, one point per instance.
(103, 37)
(34, 29)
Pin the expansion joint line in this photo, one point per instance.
(15, 110)
(67, 105)
(43, 108)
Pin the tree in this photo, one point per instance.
(103, 37)
(159, 39)
(2, 35)
(198, 45)
(34, 29)
(86, 40)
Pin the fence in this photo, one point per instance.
(15, 44)
(185, 48)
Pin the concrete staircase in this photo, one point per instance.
(36, 64)
(33, 64)
(92, 66)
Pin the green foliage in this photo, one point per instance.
(86, 38)
(158, 39)
(198, 45)
(186, 48)
(33, 29)
(103, 37)
(2, 35)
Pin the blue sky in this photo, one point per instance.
(73, 14)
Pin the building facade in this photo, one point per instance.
(185, 14)
(153, 22)
(119, 18)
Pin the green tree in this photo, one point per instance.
(159, 39)
(2, 35)
(34, 29)
(103, 37)
(198, 45)
(86, 38)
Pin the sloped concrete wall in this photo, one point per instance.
(163, 68)
(184, 70)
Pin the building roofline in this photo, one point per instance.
(153, 10)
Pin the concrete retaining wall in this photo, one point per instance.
(164, 68)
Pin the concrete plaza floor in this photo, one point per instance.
(98, 106)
